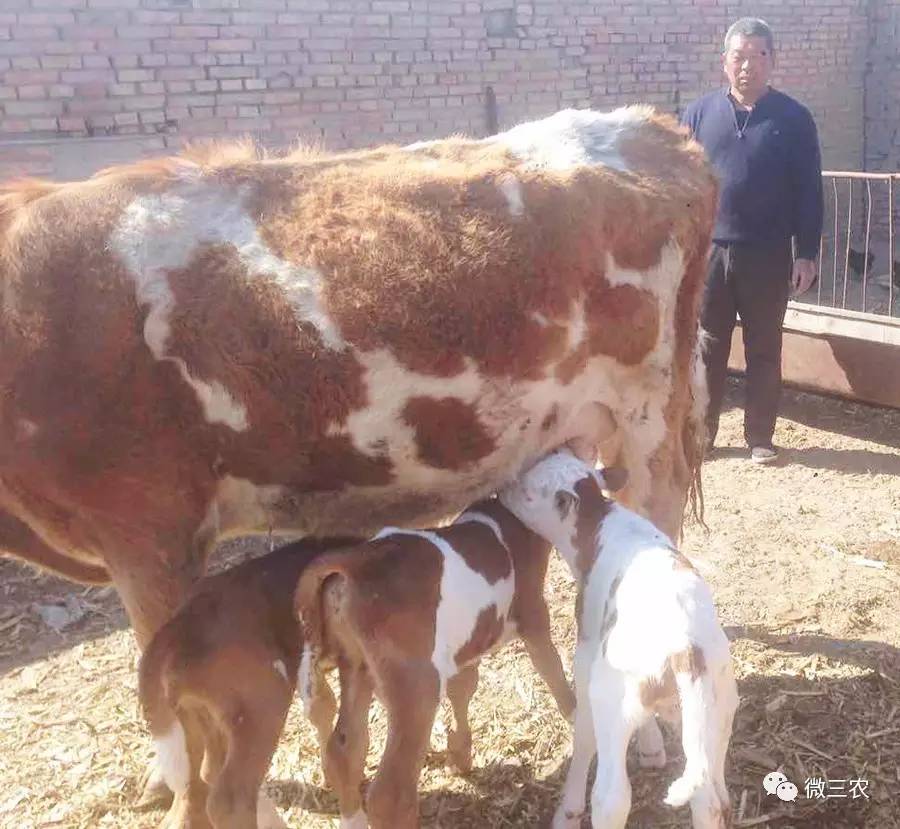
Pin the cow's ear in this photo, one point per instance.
(564, 501)
(613, 478)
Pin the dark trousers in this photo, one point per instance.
(753, 281)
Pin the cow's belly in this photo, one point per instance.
(446, 457)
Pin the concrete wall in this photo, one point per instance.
(87, 82)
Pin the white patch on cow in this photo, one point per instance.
(464, 594)
(540, 319)
(163, 232)
(577, 328)
(572, 138)
(653, 279)
(355, 821)
(172, 758)
(280, 669)
(218, 404)
(304, 679)
(512, 192)
(637, 395)
(389, 386)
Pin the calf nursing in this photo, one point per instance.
(216, 683)
(407, 617)
(648, 639)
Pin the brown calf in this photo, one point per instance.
(216, 683)
(408, 616)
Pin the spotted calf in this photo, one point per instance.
(408, 616)
(648, 639)
(216, 683)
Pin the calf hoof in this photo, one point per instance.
(355, 821)
(459, 753)
(566, 819)
(184, 815)
(155, 794)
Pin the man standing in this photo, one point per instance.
(764, 147)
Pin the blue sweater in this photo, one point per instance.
(770, 172)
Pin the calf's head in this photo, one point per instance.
(561, 499)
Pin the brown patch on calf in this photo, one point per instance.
(657, 689)
(654, 690)
(592, 509)
(485, 634)
(690, 661)
(479, 547)
(449, 434)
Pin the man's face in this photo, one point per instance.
(748, 65)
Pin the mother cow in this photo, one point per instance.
(203, 346)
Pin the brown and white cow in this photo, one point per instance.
(217, 344)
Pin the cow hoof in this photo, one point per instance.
(155, 794)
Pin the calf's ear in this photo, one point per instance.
(564, 501)
(613, 478)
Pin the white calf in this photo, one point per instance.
(648, 638)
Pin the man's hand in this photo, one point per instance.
(802, 276)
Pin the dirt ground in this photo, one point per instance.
(804, 560)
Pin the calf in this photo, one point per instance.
(648, 638)
(408, 616)
(218, 679)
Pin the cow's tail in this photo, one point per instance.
(694, 441)
(157, 690)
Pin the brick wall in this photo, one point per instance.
(83, 82)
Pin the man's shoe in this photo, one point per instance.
(763, 454)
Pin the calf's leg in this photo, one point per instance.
(345, 755)
(616, 711)
(253, 720)
(411, 694)
(459, 740)
(571, 806)
(535, 633)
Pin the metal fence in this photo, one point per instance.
(858, 256)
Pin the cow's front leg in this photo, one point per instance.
(152, 584)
